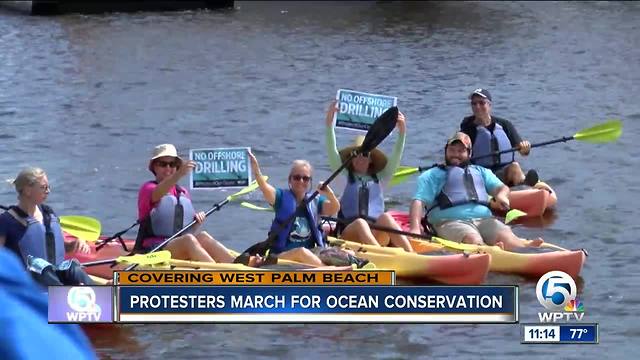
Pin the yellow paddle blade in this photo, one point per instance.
(513, 214)
(252, 187)
(455, 245)
(155, 258)
(403, 174)
(255, 207)
(406, 170)
(83, 227)
(603, 133)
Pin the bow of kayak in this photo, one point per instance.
(535, 201)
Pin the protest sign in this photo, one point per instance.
(358, 110)
(220, 168)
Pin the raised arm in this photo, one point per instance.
(330, 135)
(396, 156)
(165, 185)
(268, 191)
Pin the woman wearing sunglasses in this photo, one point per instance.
(298, 240)
(32, 230)
(362, 200)
(164, 208)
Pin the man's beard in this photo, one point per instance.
(462, 164)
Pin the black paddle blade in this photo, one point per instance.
(380, 129)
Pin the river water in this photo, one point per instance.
(87, 97)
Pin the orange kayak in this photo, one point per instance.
(114, 249)
(110, 251)
(535, 201)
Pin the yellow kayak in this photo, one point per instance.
(525, 264)
(529, 264)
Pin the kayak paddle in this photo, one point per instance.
(379, 130)
(252, 187)
(602, 133)
(157, 258)
(404, 172)
(511, 215)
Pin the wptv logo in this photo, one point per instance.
(82, 300)
(557, 292)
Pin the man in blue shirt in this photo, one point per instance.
(26, 335)
(456, 197)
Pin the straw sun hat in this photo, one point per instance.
(162, 151)
(378, 158)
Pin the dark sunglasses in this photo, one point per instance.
(161, 163)
(481, 102)
(304, 178)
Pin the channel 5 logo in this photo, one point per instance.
(557, 292)
(82, 300)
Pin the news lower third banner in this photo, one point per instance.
(219, 297)
(316, 304)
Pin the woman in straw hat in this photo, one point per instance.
(363, 198)
(164, 208)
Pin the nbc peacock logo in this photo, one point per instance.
(574, 306)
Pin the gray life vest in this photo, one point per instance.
(171, 214)
(463, 186)
(362, 199)
(487, 142)
(40, 240)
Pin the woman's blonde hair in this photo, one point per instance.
(27, 177)
(300, 163)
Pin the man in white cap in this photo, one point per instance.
(490, 134)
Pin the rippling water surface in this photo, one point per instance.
(87, 97)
